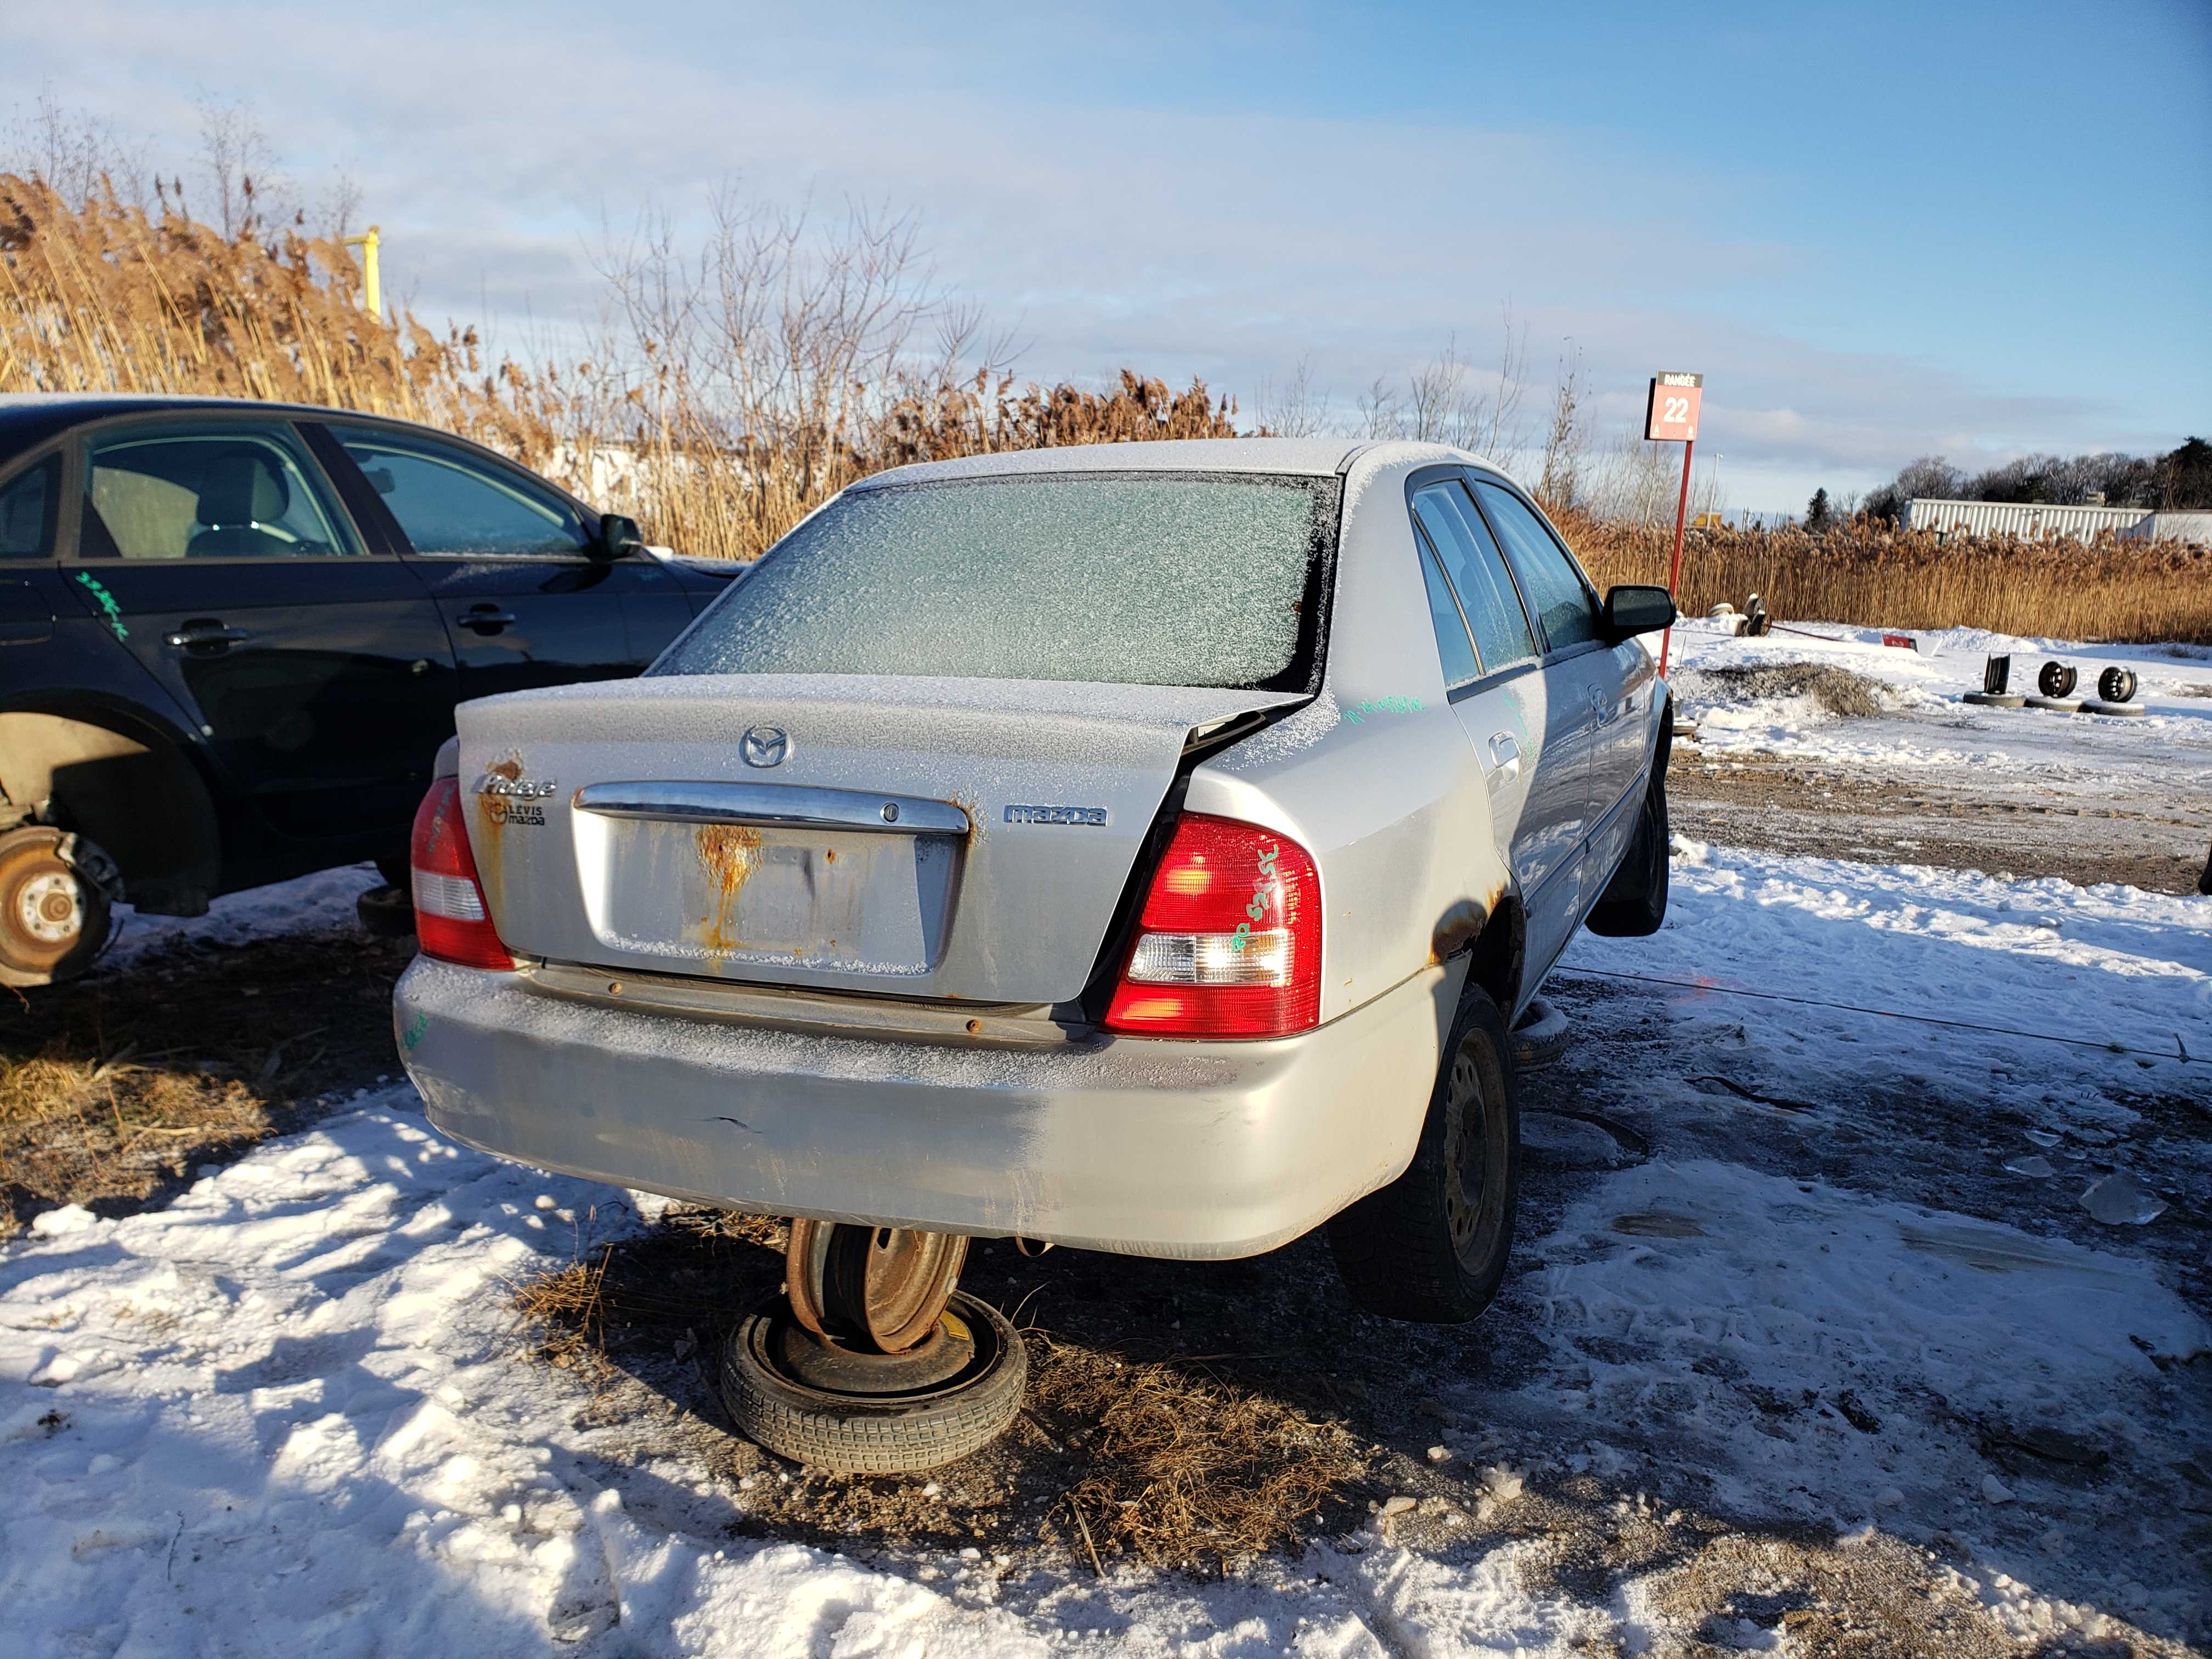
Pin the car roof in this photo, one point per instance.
(1308, 457)
(29, 418)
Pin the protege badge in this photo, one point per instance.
(1095, 817)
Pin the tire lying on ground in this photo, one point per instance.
(873, 1432)
(1541, 1037)
(2094, 706)
(387, 911)
(1996, 699)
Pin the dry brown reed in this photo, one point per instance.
(105, 297)
(1868, 575)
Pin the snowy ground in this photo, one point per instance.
(1813, 1344)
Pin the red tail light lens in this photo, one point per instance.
(1229, 944)
(452, 921)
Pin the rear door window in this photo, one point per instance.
(1555, 587)
(1494, 616)
(1127, 578)
(208, 492)
(1454, 650)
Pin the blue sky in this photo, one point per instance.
(1880, 230)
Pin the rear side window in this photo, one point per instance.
(26, 511)
(448, 501)
(1478, 574)
(1452, 649)
(1555, 588)
(207, 492)
(1159, 579)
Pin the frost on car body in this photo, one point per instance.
(826, 913)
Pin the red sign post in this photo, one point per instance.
(1671, 416)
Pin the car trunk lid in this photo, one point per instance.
(946, 838)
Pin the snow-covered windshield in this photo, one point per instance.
(1160, 579)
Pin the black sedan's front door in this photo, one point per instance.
(317, 671)
(527, 598)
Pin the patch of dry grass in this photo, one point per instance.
(1870, 576)
(1118, 1456)
(77, 1130)
(1180, 1465)
(115, 1087)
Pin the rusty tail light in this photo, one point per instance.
(1229, 942)
(452, 921)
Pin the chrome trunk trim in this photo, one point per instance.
(786, 804)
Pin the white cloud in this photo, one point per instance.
(1227, 245)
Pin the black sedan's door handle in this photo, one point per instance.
(486, 618)
(204, 634)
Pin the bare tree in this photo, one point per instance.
(73, 153)
(1566, 440)
(240, 168)
(1293, 410)
(1378, 410)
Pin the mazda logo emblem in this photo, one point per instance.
(764, 746)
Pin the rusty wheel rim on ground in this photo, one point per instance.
(880, 1288)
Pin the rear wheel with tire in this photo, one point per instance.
(1431, 1246)
(53, 917)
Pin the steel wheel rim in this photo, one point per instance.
(1466, 1160)
(878, 1287)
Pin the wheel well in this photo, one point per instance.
(133, 793)
(1494, 962)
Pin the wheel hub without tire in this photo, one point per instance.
(49, 908)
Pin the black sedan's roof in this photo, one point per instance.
(27, 420)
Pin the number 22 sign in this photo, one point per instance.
(1672, 414)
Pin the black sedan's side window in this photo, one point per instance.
(448, 501)
(26, 511)
(206, 491)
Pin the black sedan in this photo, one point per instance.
(232, 635)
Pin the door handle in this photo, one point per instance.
(1504, 759)
(486, 618)
(196, 636)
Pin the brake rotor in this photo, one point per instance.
(876, 1289)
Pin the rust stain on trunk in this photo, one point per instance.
(729, 853)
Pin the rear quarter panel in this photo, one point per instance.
(1388, 796)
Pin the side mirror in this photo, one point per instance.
(617, 535)
(1632, 610)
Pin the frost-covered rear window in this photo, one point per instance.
(1160, 579)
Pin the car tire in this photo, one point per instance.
(873, 1434)
(1634, 902)
(1427, 1248)
(388, 912)
(53, 917)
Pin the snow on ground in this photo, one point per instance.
(285, 1413)
(1925, 724)
(1807, 1266)
(321, 900)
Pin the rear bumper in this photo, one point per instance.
(1145, 1147)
